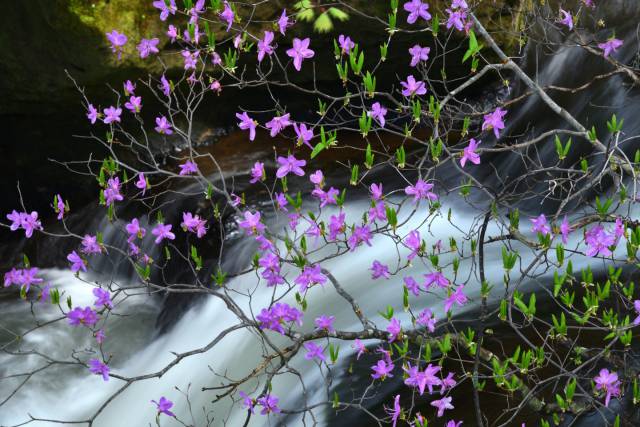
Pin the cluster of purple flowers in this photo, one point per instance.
(24, 277)
(29, 222)
(275, 317)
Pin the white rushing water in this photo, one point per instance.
(70, 394)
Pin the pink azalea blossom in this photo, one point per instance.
(77, 263)
(457, 297)
(610, 46)
(300, 51)
(378, 112)
(289, 165)
(417, 9)
(252, 223)
(609, 383)
(418, 54)
(227, 15)
(495, 121)
(277, 124)
(394, 412)
(162, 231)
(188, 168)
(540, 225)
(566, 19)
(264, 45)
(283, 22)
(421, 190)
(304, 135)
(99, 368)
(247, 122)
(413, 87)
(163, 406)
(469, 153)
(442, 405)
(345, 43)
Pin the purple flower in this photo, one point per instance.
(190, 59)
(311, 274)
(103, 298)
(227, 15)
(418, 54)
(376, 191)
(394, 412)
(412, 285)
(611, 45)
(599, 241)
(314, 351)
(117, 40)
(326, 197)
(269, 404)
(277, 124)
(290, 164)
(457, 297)
(345, 44)
(281, 202)
(457, 19)
(360, 234)
(416, 10)
(317, 178)
(165, 86)
(100, 336)
(300, 51)
(421, 190)
(194, 224)
(453, 423)
(540, 225)
(22, 277)
(165, 9)
(264, 46)
(77, 263)
(98, 368)
(30, 223)
(163, 126)
(336, 225)
(59, 206)
(565, 229)
(93, 114)
(609, 383)
(361, 349)
(459, 4)
(382, 369)
(378, 112)
(283, 22)
(636, 306)
(172, 33)
(252, 223)
(437, 278)
(82, 316)
(129, 88)
(325, 322)
(447, 383)
(257, 172)
(112, 191)
(413, 87)
(427, 319)
(112, 114)
(394, 329)
(141, 183)
(247, 122)
(567, 19)
(442, 404)
(134, 104)
(494, 121)
(163, 406)
(162, 231)
(422, 379)
(90, 245)
(188, 168)
(148, 47)
(379, 270)
(274, 317)
(414, 243)
(134, 229)
(247, 401)
(304, 135)
(469, 153)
